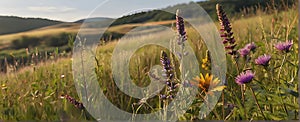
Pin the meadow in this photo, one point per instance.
(257, 88)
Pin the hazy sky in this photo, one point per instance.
(72, 10)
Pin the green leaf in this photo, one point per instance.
(294, 93)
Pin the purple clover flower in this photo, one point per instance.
(263, 60)
(244, 52)
(244, 77)
(284, 46)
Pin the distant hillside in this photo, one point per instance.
(232, 7)
(12, 24)
(95, 19)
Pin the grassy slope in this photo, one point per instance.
(5, 40)
(45, 31)
(11, 24)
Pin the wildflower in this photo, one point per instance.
(165, 61)
(251, 46)
(204, 82)
(226, 33)
(4, 87)
(62, 76)
(206, 61)
(284, 46)
(162, 96)
(263, 60)
(244, 52)
(180, 28)
(73, 101)
(244, 77)
(247, 49)
(168, 73)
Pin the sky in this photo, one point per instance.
(73, 10)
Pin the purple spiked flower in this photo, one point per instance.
(73, 101)
(284, 46)
(244, 51)
(244, 77)
(165, 61)
(180, 28)
(168, 73)
(226, 33)
(263, 60)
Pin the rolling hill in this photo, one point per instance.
(12, 24)
(232, 7)
(94, 19)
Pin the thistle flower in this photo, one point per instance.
(226, 33)
(206, 61)
(284, 46)
(180, 28)
(73, 101)
(263, 60)
(251, 46)
(244, 77)
(244, 51)
(247, 49)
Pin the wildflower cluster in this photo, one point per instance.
(263, 60)
(229, 42)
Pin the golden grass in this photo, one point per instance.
(46, 31)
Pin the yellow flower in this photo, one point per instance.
(3, 87)
(206, 61)
(204, 82)
(205, 64)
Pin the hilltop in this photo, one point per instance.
(13, 24)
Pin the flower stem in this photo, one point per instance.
(213, 110)
(280, 68)
(257, 104)
(223, 104)
(279, 72)
(243, 100)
